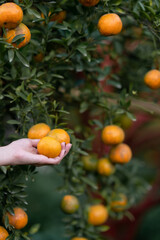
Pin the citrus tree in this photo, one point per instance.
(83, 66)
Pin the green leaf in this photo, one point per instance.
(23, 60)
(34, 12)
(16, 38)
(82, 50)
(89, 182)
(34, 229)
(10, 55)
(13, 122)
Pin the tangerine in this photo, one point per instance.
(60, 135)
(112, 134)
(38, 131)
(69, 204)
(89, 3)
(119, 203)
(109, 24)
(19, 220)
(11, 15)
(39, 57)
(49, 147)
(58, 17)
(90, 162)
(20, 29)
(120, 154)
(97, 214)
(3, 233)
(79, 238)
(105, 167)
(152, 79)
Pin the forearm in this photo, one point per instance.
(5, 156)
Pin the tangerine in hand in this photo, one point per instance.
(49, 147)
(60, 135)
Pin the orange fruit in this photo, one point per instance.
(105, 167)
(109, 24)
(79, 238)
(19, 220)
(60, 135)
(112, 134)
(20, 29)
(97, 214)
(90, 162)
(152, 79)
(120, 153)
(3, 233)
(119, 203)
(39, 57)
(11, 15)
(59, 17)
(89, 3)
(38, 131)
(49, 147)
(125, 121)
(69, 204)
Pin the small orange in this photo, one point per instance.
(105, 167)
(97, 214)
(69, 204)
(58, 17)
(109, 24)
(119, 203)
(79, 238)
(89, 3)
(60, 135)
(19, 220)
(38, 131)
(49, 147)
(120, 153)
(112, 134)
(3, 233)
(90, 162)
(39, 57)
(20, 29)
(152, 79)
(11, 15)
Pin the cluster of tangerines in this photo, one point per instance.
(50, 140)
(18, 220)
(11, 16)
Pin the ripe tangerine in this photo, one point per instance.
(112, 134)
(3, 233)
(19, 220)
(109, 24)
(69, 204)
(49, 147)
(79, 238)
(121, 153)
(58, 17)
(38, 131)
(20, 29)
(105, 167)
(152, 79)
(60, 135)
(11, 15)
(97, 214)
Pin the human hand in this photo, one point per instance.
(24, 151)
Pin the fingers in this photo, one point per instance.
(34, 142)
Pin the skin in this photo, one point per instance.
(24, 151)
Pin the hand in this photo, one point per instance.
(24, 151)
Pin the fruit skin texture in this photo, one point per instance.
(60, 135)
(3, 233)
(97, 214)
(20, 218)
(11, 15)
(79, 238)
(21, 29)
(105, 167)
(112, 134)
(69, 204)
(90, 163)
(120, 153)
(89, 3)
(152, 79)
(119, 205)
(109, 24)
(38, 131)
(49, 147)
